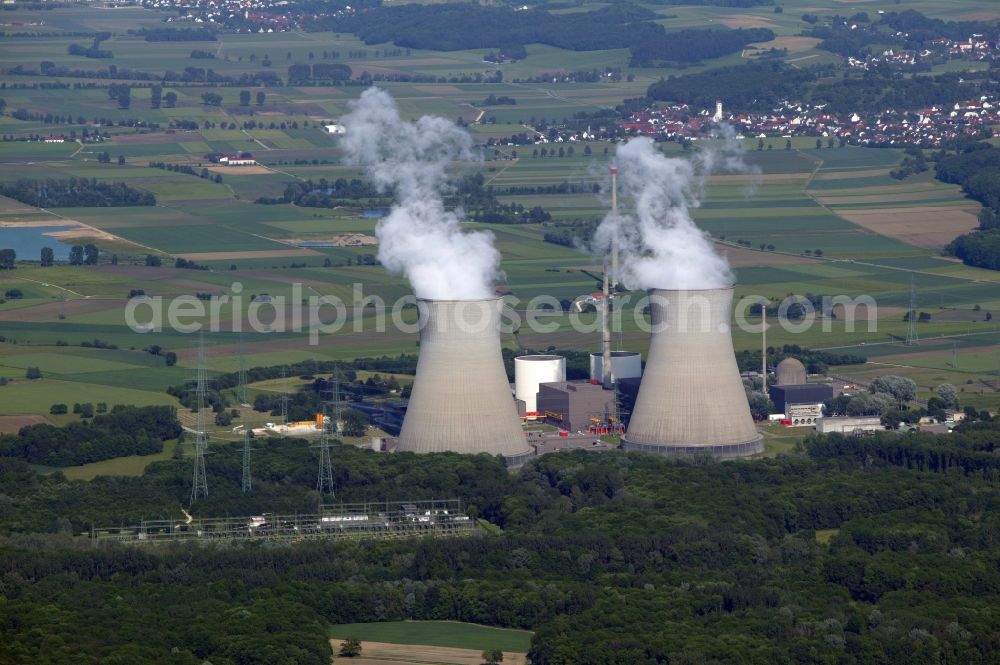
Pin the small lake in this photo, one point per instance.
(28, 241)
(375, 213)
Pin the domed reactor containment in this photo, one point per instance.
(691, 401)
(461, 400)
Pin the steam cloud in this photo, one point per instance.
(419, 237)
(660, 246)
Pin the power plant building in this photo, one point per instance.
(461, 400)
(624, 365)
(801, 402)
(574, 404)
(691, 401)
(532, 371)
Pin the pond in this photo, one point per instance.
(374, 213)
(28, 241)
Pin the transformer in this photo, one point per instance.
(461, 400)
(691, 401)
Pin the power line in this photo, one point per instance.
(284, 396)
(199, 483)
(246, 478)
(241, 390)
(911, 331)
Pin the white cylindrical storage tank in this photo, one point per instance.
(691, 401)
(624, 365)
(461, 399)
(530, 371)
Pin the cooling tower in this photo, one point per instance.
(691, 401)
(461, 400)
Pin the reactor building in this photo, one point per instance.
(460, 400)
(530, 372)
(624, 365)
(801, 402)
(691, 401)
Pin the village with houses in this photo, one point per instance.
(922, 127)
(976, 48)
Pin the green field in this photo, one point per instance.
(786, 230)
(133, 465)
(437, 633)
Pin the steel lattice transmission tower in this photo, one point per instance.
(199, 483)
(912, 337)
(331, 419)
(245, 477)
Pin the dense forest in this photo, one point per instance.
(976, 167)
(755, 86)
(450, 27)
(692, 45)
(876, 550)
(760, 86)
(76, 192)
(126, 430)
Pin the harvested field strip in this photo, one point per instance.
(898, 197)
(383, 653)
(929, 228)
(848, 174)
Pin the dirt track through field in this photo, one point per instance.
(739, 257)
(254, 254)
(383, 653)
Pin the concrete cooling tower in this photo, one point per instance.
(691, 401)
(461, 400)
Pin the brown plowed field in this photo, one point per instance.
(11, 424)
(928, 228)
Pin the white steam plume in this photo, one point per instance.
(419, 237)
(660, 246)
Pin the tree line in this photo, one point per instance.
(126, 430)
(76, 192)
(759, 86)
(976, 167)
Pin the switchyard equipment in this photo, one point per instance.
(461, 400)
(691, 400)
(359, 521)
